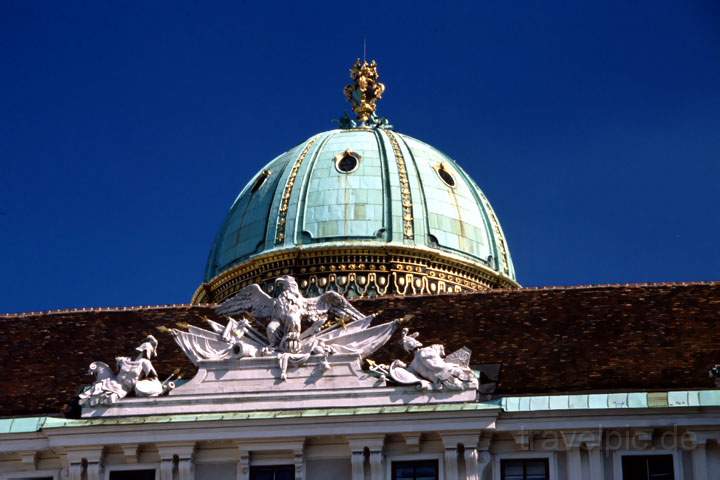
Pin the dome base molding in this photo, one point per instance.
(357, 272)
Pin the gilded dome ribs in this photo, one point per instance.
(285, 202)
(499, 235)
(407, 210)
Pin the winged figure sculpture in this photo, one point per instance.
(287, 325)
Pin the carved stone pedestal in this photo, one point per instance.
(254, 384)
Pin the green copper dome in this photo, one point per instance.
(365, 188)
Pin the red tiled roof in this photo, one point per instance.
(550, 340)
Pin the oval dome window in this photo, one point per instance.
(347, 161)
(446, 176)
(260, 180)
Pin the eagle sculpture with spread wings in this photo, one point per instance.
(288, 325)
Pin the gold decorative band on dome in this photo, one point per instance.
(285, 202)
(360, 271)
(407, 209)
(499, 234)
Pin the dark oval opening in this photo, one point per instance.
(347, 163)
(446, 177)
(260, 180)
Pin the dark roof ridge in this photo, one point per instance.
(487, 292)
(555, 288)
(613, 285)
(139, 308)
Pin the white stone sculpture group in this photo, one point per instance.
(137, 376)
(292, 329)
(288, 326)
(430, 369)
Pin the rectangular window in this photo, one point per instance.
(648, 467)
(147, 474)
(415, 470)
(273, 472)
(525, 469)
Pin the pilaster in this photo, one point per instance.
(85, 463)
(357, 459)
(471, 463)
(243, 465)
(574, 440)
(451, 463)
(696, 442)
(93, 471)
(166, 468)
(374, 445)
(75, 471)
(376, 465)
(299, 462)
(469, 441)
(699, 462)
(484, 459)
(179, 455)
(185, 469)
(484, 456)
(574, 463)
(596, 462)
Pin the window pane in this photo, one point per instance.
(524, 469)
(132, 475)
(426, 470)
(651, 467)
(660, 467)
(513, 470)
(273, 472)
(535, 469)
(634, 467)
(263, 475)
(285, 475)
(403, 472)
(511, 476)
(415, 470)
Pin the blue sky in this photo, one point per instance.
(127, 129)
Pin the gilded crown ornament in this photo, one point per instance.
(365, 90)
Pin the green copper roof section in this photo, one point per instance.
(396, 195)
(535, 403)
(593, 401)
(23, 424)
(39, 423)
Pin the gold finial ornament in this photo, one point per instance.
(365, 91)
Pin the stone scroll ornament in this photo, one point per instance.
(288, 326)
(430, 368)
(137, 376)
